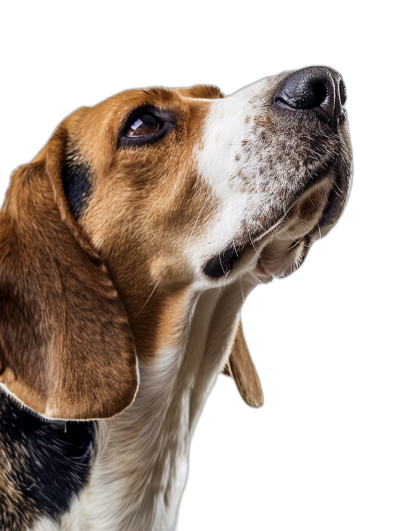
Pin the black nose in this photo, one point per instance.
(317, 88)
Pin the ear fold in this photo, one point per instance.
(241, 367)
(66, 349)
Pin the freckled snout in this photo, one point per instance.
(317, 89)
(281, 170)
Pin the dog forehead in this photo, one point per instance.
(95, 130)
(118, 106)
(108, 115)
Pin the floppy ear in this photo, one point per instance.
(66, 349)
(241, 367)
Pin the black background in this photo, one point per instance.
(306, 456)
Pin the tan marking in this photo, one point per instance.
(17, 512)
(140, 201)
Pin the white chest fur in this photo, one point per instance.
(140, 468)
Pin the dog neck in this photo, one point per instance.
(141, 464)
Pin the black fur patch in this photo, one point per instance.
(50, 462)
(78, 183)
(222, 263)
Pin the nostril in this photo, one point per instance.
(342, 92)
(320, 93)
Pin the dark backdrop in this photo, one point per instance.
(301, 458)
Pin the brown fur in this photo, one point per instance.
(74, 297)
(66, 348)
(240, 366)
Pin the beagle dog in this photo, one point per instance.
(127, 248)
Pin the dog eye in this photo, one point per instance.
(143, 125)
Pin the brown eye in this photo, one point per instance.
(143, 125)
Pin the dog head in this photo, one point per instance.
(138, 198)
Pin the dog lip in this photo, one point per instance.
(260, 269)
(220, 264)
(332, 207)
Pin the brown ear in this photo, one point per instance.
(241, 367)
(66, 349)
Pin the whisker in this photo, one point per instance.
(295, 244)
(312, 202)
(337, 186)
(241, 288)
(147, 300)
(289, 236)
(254, 276)
(197, 220)
(263, 228)
(251, 241)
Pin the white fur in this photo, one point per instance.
(140, 469)
(229, 123)
(224, 132)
